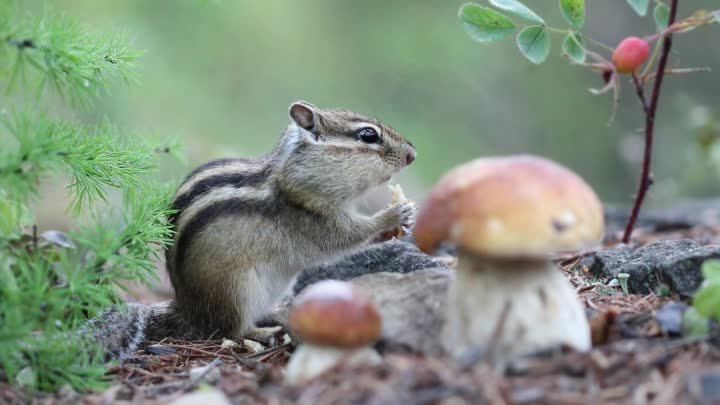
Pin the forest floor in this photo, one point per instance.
(637, 359)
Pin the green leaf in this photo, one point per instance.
(7, 278)
(640, 6)
(26, 377)
(517, 8)
(13, 215)
(574, 48)
(484, 24)
(8, 217)
(662, 16)
(707, 300)
(574, 12)
(534, 43)
(694, 324)
(711, 271)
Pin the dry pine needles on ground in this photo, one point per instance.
(633, 362)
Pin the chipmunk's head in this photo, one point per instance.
(338, 154)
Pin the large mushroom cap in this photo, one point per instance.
(511, 207)
(334, 313)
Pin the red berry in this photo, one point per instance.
(630, 54)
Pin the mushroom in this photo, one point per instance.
(509, 216)
(336, 323)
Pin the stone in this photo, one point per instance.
(412, 306)
(672, 263)
(681, 215)
(670, 318)
(394, 256)
(408, 286)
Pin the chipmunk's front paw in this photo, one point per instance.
(398, 219)
(406, 214)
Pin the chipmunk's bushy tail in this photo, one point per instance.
(122, 329)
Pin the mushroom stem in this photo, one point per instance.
(512, 307)
(309, 360)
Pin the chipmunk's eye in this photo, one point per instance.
(368, 135)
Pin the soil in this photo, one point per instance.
(635, 360)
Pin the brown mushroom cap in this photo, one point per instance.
(511, 207)
(335, 313)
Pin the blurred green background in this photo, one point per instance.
(219, 75)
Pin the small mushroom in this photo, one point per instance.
(509, 216)
(336, 323)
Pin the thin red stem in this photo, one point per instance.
(640, 90)
(650, 111)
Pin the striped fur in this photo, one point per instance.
(246, 228)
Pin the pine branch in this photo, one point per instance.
(44, 361)
(48, 289)
(55, 52)
(95, 161)
(56, 290)
(127, 251)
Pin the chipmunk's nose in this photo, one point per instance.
(410, 157)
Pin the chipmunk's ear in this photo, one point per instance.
(303, 113)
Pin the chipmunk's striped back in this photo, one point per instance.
(245, 228)
(215, 189)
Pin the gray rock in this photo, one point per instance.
(394, 256)
(670, 318)
(681, 215)
(673, 263)
(412, 306)
(408, 287)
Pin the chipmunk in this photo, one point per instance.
(246, 228)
